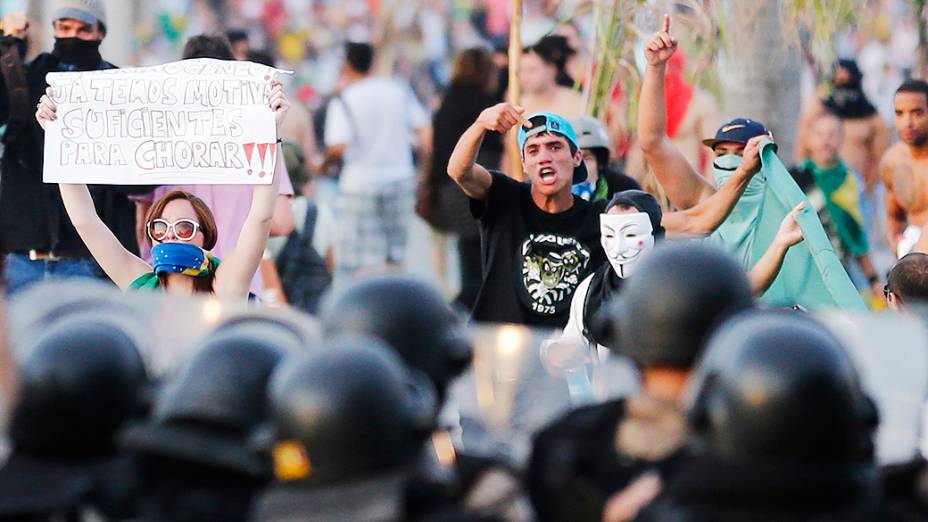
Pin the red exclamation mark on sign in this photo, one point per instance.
(272, 151)
(249, 150)
(262, 152)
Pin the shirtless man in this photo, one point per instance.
(866, 137)
(904, 168)
(540, 91)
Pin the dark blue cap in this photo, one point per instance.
(738, 130)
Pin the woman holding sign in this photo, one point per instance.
(182, 231)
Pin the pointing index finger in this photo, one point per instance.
(520, 115)
(666, 23)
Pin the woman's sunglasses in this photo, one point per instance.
(184, 229)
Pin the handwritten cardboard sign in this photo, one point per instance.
(197, 121)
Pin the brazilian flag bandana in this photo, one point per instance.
(177, 258)
(842, 199)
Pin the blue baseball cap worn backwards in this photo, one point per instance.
(555, 124)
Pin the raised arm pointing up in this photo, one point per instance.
(684, 186)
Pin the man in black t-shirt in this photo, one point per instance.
(538, 241)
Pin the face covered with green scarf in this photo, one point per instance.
(737, 232)
(726, 164)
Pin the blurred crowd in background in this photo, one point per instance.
(419, 40)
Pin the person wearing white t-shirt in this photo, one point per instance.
(370, 126)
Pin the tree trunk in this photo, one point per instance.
(921, 63)
(761, 70)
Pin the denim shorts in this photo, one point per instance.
(21, 272)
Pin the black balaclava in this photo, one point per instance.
(81, 54)
(848, 99)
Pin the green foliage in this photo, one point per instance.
(613, 36)
(816, 22)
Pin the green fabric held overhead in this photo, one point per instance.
(812, 274)
(842, 199)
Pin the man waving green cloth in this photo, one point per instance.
(812, 275)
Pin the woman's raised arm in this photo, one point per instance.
(120, 265)
(234, 275)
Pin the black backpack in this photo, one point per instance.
(303, 272)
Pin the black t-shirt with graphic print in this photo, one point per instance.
(533, 260)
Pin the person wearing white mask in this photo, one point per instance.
(630, 227)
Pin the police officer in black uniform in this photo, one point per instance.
(415, 322)
(80, 381)
(196, 459)
(348, 427)
(781, 429)
(408, 315)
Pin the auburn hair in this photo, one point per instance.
(473, 68)
(207, 227)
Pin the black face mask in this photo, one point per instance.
(85, 54)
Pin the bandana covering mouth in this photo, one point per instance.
(182, 258)
(584, 190)
(725, 166)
